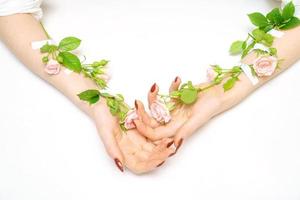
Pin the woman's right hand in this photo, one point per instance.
(130, 148)
(186, 119)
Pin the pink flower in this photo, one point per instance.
(129, 123)
(160, 112)
(265, 65)
(52, 67)
(211, 74)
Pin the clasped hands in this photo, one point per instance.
(151, 143)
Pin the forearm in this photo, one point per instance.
(288, 48)
(17, 32)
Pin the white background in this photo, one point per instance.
(50, 150)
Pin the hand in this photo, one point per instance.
(131, 148)
(186, 119)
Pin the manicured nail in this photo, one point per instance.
(153, 87)
(170, 143)
(136, 104)
(119, 164)
(176, 79)
(160, 164)
(179, 144)
(134, 123)
(172, 154)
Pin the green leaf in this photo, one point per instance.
(69, 43)
(294, 22)
(268, 28)
(45, 59)
(101, 83)
(106, 95)
(288, 11)
(91, 96)
(100, 63)
(236, 69)
(188, 96)
(113, 106)
(273, 51)
(229, 83)
(218, 80)
(268, 40)
(70, 61)
(47, 48)
(248, 49)
(258, 34)
(275, 16)
(175, 94)
(190, 85)
(217, 68)
(237, 47)
(258, 19)
(120, 97)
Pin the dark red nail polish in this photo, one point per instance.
(172, 154)
(179, 144)
(160, 164)
(153, 87)
(136, 104)
(119, 164)
(134, 123)
(170, 143)
(176, 79)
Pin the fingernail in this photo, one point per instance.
(160, 164)
(172, 154)
(134, 123)
(176, 79)
(179, 144)
(119, 164)
(169, 144)
(136, 104)
(153, 87)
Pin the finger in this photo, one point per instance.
(149, 161)
(162, 131)
(146, 118)
(164, 145)
(175, 84)
(145, 130)
(155, 160)
(152, 94)
(111, 146)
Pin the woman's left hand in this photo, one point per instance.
(130, 149)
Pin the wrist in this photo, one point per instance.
(99, 108)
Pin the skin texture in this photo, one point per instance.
(187, 119)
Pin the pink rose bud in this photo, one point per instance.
(265, 65)
(52, 67)
(160, 112)
(128, 123)
(211, 74)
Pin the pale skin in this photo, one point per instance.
(134, 149)
(187, 119)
